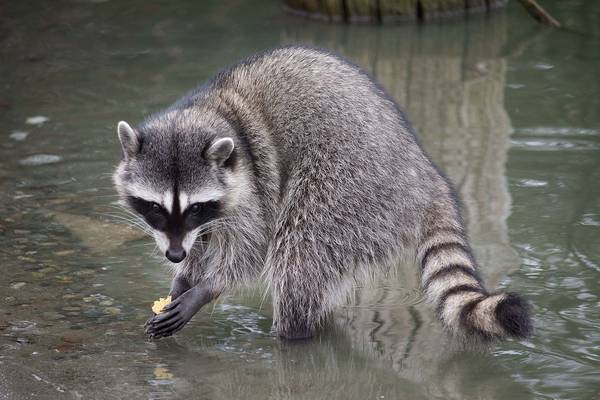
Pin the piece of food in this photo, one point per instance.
(159, 304)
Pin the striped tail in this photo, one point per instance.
(452, 284)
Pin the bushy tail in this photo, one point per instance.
(452, 284)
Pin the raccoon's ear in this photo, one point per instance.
(130, 139)
(220, 150)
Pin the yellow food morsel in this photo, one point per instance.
(159, 304)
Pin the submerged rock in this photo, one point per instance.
(37, 120)
(40, 159)
(62, 253)
(23, 340)
(52, 315)
(18, 135)
(17, 285)
(93, 313)
(22, 326)
(97, 235)
(112, 310)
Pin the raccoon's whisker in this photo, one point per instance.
(100, 189)
(138, 227)
(131, 214)
(99, 196)
(145, 244)
(124, 218)
(209, 227)
(132, 222)
(154, 251)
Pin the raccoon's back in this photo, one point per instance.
(344, 148)
(312, 95)
(323, 110)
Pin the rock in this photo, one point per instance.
(73, 338)
(112, 310)
(93, 313)
(22, 326)
(40, 159)
(17, 285)
(52, 315)
(85, 272)
(97, 235)
(18, 135)
(41, 273)
(20, 196)
(23, 340)
(63, 253)
(162, 373)
(37, 120)
(64, 279)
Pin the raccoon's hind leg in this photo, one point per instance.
(304, 280)
(451, 282)
(300, 293)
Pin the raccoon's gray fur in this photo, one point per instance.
(318, 182)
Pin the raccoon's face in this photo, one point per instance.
(176, 186)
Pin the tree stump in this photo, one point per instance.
(388, 10)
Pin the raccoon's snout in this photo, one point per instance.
(175, 255)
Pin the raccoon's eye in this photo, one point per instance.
(156, 208)
(200, 213)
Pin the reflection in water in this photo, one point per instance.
(76, 286)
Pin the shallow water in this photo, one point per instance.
(508, 109)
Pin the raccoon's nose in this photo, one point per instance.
(175, 255)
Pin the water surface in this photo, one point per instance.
(507, 108)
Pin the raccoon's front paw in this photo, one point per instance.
(177, 313)
(165, 324)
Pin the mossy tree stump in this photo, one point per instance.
(388, 10)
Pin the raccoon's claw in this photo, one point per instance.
(177, 313)
(168, 329)
(148, 328)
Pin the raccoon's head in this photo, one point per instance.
(177, 182)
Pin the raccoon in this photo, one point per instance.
(296, 167)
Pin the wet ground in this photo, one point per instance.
(507, 108)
